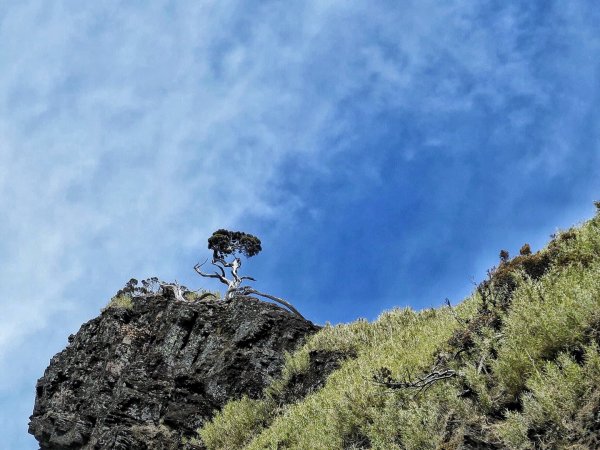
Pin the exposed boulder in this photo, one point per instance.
(147, 377)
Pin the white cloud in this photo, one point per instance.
(126, 129)
(129, 128)
(128, 133)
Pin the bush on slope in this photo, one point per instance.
(524, 347)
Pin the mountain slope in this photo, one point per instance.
(515, 365)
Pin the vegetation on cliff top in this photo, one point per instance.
(232, 244)
(153, 287)
(521, 354)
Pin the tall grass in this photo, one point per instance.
(527, 369)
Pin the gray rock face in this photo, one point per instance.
(148, 377)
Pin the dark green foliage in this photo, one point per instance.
(592, 332)
(463, 338)
(565, 258)
(534, 265)
(497, 290)
(149, 287)
(356, 439)
(504, 279)
(225, 242)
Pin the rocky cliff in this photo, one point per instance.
(146, 376)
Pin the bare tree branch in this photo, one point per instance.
(220, 269)
(225, 243)
(421, 384)
(222, 261)
(221, 278)
(248, 290)
(174, 288)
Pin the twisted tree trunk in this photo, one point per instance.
(233, 286)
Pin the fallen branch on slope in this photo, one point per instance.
(384, 378)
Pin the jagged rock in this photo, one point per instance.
(149, 376)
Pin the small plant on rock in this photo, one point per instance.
(120, 301)
(153, 287)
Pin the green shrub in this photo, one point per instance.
(235, 425)
(351, 409)
(526, 340)
(513, 431)
(546, 317)
(203, 294)
(555, 396)
(122, 301)
(525, 250)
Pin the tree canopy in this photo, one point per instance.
(224, 242)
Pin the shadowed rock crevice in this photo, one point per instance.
(149, 376)
(321, 364)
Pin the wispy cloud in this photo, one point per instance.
(128, 133)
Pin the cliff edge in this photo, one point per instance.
(146, 376)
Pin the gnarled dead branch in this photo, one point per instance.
(225, 243)
(384, 378)
(173, 289)
(248, 290)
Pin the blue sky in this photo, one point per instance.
(384, 152)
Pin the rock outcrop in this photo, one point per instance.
(148, 376)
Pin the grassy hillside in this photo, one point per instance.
(515, 365)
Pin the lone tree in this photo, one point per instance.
(227, 247)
